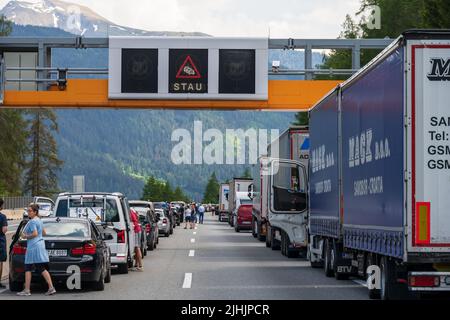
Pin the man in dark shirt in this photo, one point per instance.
(3, 230)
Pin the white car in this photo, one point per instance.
(46, 206)
(163, 223)
(111, 212)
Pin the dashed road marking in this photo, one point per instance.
(187, 283)
(192, 240)
(191, 253)
(195, 233)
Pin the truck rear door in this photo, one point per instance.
(429, 147)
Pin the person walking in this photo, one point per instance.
(3, 230)
(201, 213)
(137, 241)
(36, 257)
(187, 217)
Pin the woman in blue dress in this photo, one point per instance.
(36, 257)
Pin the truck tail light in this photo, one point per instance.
(424, 281)
(121, 236)
(18, 249)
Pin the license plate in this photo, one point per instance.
(57, 253)
(246, 222)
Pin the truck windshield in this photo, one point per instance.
(289, 188)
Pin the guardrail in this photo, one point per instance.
(12, 203)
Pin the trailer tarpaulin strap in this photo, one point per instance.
(423, 225)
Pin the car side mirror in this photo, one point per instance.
(107, 236)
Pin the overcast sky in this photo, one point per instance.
(284, 18)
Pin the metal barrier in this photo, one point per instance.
(13, 203)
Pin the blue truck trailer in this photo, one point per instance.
(379, 188)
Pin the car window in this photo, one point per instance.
(45, 206)
(246, 202)
(66, 230)
(95, 232)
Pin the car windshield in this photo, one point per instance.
(158, 205)
(66, 229)
(89, 207)
(45, 206)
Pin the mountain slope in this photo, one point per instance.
(72, 18)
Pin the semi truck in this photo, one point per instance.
(236, 185)
(379, 204)
(279, 193)
(223, 201)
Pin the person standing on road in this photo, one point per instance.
(193, 216)
(3, 230)
(137, 240)
(201, 213)
(187, 217)
(37, 255)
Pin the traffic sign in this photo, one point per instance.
(188, 71)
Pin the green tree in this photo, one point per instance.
(43, 164)
(167, 192)
(211, 194)
(12, 151)
(247, 173)
(436, 14)
(301, 119)
(12, 139)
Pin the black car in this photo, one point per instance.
(69, 242)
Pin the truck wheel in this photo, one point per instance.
(283, 244)
(327, 260)
(275, 245)
(314, 264)
(254, 234)
(260, 237)
(268, 238)
(335, 253)
(390, 289)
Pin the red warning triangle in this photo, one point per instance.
(188, 70)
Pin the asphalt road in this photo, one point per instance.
(215, 262)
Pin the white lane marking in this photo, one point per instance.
(187, 283)
(192, 240)
(195, 233)
(360, 282)
(196, 228)
(191, 253)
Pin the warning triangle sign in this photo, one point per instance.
(188, 70)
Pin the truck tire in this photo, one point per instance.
(275, 245)
(314, 264)
(390, 289)
(254, 234)
(329, 272)
(260, 237)
(268, 238)
(335, 253)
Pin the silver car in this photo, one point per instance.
(163, 223)
(46, 207)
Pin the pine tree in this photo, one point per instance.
(301, 119)
(43, 165)
(12, 139)
(12, 151)
(212, 190)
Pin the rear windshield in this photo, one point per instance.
(66, 230)
(158, 205)
(93, 209)
(139, 205)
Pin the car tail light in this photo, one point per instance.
(147, 228)
(90, 249)
(164, 220)
(19, 249)
(86, 270)
(77, 251)
(121, 236)
(424, 281)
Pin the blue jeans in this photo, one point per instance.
(201, 217)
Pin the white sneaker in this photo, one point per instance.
(24, 293)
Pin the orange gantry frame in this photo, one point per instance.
(93, 93)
